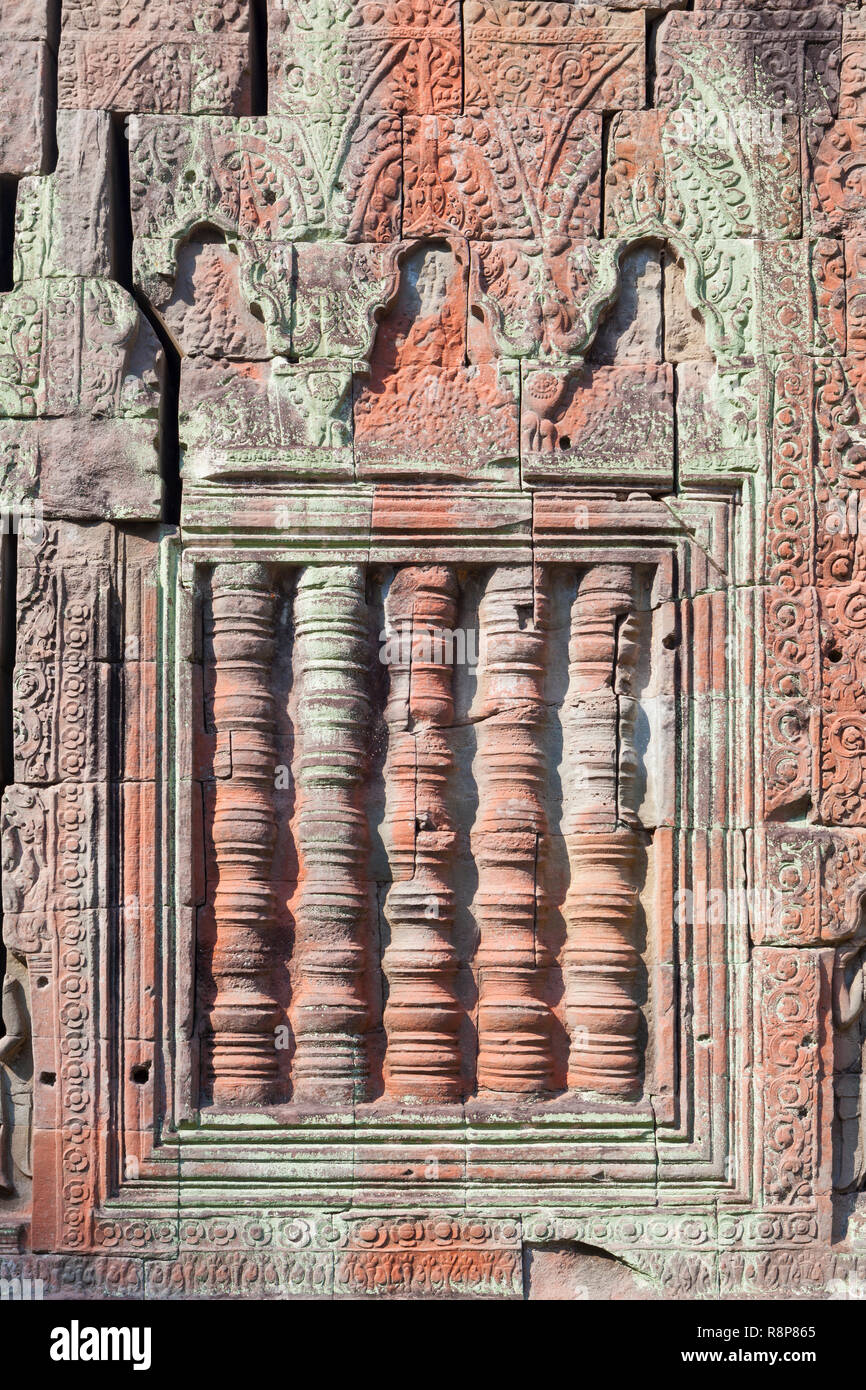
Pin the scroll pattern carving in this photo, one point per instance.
(789, 995)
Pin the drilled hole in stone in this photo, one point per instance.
(48, 1078)
(140, 1074)
(42, 982)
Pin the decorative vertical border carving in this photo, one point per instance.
(795, 1078)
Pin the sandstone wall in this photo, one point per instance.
(432, 692)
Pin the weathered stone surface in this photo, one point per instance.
(835, 194)
(417, 411)
(282, 179)
(344, 56)
(610, 421)
(25, 105)
(765, 58)
(271, 417)
(504, 174)
(702, 166)
(432, 695)
(159, 57)
(541, 55)
(81, 378)
(63, 221)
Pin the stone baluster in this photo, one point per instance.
(602, 835)
(422, 1015)
(332, 921)
(514, 1045)
(242, 1055)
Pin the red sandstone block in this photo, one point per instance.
(68, 871)
(427, 425)
(24, 19)
(803, 294)
(278, 179)
(25, 106)
(852, 86)
(540, 55)
(776, 59)
(162, 57)
(68, 664)
(503, 174)
(397, 55)
(418, 411)
(138, 810)
(535, 300)
(636, 179)
(47, 1147)
(61, 711)
(208, 310)
(72, 566)
(42, 458)
(266, 419)
(63, 221)
(610, 421)
(340, 292)
(717, 409)
(836, 191)
(756, 6)
(855, 287)
(435, 523)
(84, 376)
(425, 323)
(138, 1087)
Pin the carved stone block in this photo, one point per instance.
(63, 221)
(786, 59)
(154, 57)
(272, 418)
(501, 175)
(522, 53)
(328, 176)
(835, 191)
(82, 373)
(739, 171)
(568, 434)
(403, 56)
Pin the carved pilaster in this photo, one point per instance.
(332, 667)
(244, 1014)
(422, 1016)
(513, 1018)
(603, 841)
